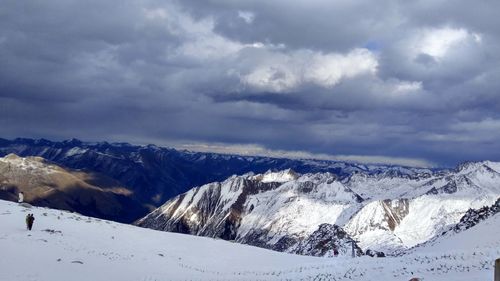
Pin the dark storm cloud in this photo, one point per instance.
(396, 82)
(324, 25)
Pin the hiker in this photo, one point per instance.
(21, 197)
(29, 221)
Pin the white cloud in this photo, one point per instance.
(284, 72)
(209, 46)
(199, 41)
(277, 78)
(437, 42)
(247, 16)
(328, 70)
(278, 71)
(404, 87)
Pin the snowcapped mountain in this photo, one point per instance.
(241, 207)
(47, 184)
(66, 246)
(281, 176)
(281, 210)
(154, 174)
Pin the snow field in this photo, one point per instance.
(67, 246)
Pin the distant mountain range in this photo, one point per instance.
(316, 213)
(152, 175)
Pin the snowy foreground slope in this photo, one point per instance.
(67, 246)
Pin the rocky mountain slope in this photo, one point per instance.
(328, 241)
(47, 184)
(154, 174)
(384, 212)
(472, 217)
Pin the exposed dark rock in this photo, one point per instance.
(472, 217)
(325, 241)
(373, 253)
(395, 211)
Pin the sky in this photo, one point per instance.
(403, 82)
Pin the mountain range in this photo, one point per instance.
(151, 175)
(288, 211)
(308, 207)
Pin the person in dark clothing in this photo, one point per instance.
(29, 221)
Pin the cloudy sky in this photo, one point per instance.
(415, 82)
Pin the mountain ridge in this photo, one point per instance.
(44, 183)
(154, 174)
(383, 212)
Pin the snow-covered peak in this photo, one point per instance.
(494, 165)
(478, 177)
(468, 167)
(387, 212)
(281, 176)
